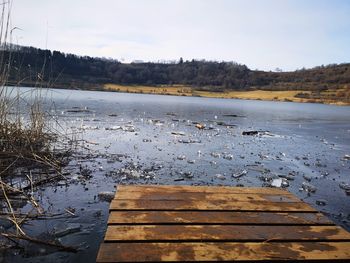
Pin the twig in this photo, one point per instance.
(34, 240)
(14, 220)
(69, 212)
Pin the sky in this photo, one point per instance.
(263, 34)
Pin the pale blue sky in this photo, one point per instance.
(263, 34)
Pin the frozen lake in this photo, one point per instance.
(151, 139)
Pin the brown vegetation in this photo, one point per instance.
(334, 96)
(27, 146)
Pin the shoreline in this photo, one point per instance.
(187, 91)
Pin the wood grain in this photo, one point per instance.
(223, 233)
(214, 217)
(213, 223)
(225, 251)
(200, 189)
(208, 205)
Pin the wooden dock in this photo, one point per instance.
(197, 223)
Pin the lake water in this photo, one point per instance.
(152, 139)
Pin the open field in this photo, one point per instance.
(177, 90)
(327, 97)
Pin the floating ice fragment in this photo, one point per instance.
(189, 141)
(181, 157)
(344, 186)
(66, 229)
(128, 128)
(276, 182)
(220, 176)
(239, 174)
(279, 182)
(346, 157)
(215, 154)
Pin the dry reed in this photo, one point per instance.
(27, 140)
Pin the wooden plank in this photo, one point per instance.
(227, 251)
(187, 224)
(201, 189)
(213, 217)
(206, 196)
(223, 233)
(209, 205)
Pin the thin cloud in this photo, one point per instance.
(261, 34)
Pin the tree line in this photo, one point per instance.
(28, 65)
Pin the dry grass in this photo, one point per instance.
(27, 142)
(24, 130)
(177, 90)
(328, 97)
(254, 95)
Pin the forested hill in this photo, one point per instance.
(57, 69)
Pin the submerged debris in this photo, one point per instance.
(307, 178)
(230, 115)
(188, 174)
(88, 127)
(200, 126)
(321, 202)
(215, 154)
(228, 156)
(66, 229)
(228, 125)
(308, 187)
(186, 141)
(252, 133)
(79, 110)
(171, 114)
(106, 196)
(127, 128)
(113, 128)
(178, 133)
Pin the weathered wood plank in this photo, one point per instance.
(201, 223)
(208, 205)
(201, 189)
(206, 196)
(227, 251)
(223, 233)
(213, 217)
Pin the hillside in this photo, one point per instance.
(31, 65)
